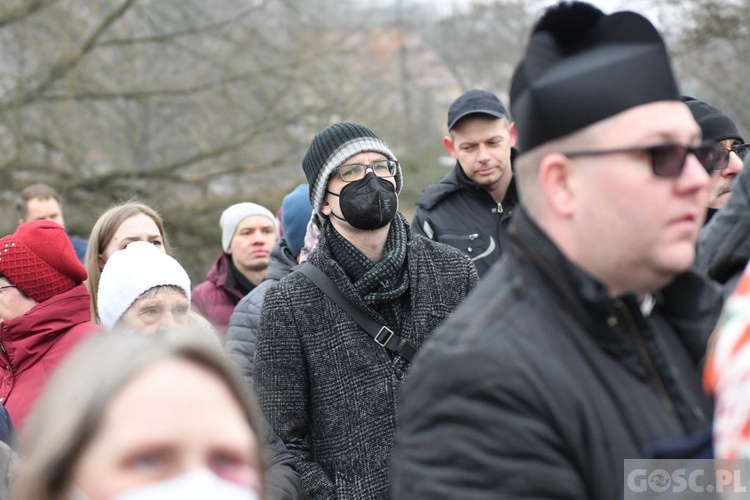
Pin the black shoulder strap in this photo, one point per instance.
(380, 333)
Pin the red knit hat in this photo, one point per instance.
(39, 259)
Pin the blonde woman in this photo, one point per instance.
(114, 230)
(154, 417)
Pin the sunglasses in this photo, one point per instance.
(667, 160)
(740, 150)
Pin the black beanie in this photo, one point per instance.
(715, 124)
(331, 148)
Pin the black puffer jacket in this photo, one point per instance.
(459, 212)
(245, 320)
(541, 383)
(724, 247)
(327, 388)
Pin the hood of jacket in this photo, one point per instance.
(29, 336)
(281, 261)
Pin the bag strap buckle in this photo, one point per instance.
(383, 330)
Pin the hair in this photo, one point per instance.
(58, 432)
(102, 233)
(41, 191)
(526, 166)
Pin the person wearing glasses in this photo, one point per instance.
(470, 207)
(44, 311)
(581, 347)
(328, 386)
(718, 127)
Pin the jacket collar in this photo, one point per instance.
(29, 335)
(606, 319)
(462, 181)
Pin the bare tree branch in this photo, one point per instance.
(20, 12)
(62, 68)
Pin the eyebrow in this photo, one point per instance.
(150, 237)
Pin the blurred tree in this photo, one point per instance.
(188, 107)
(192, 106)
(483, 44)
(708, 40)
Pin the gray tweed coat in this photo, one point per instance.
(328, 390)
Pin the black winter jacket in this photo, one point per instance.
(245, 320)
(459, 212)
(541, 383)
(327, 388)
(724, 246)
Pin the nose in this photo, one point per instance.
(734, 166)
(168, 321)
(484, 154)
(694, 177)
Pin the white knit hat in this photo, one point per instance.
(130, 273)
(232, 216)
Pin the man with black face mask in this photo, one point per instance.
(327, 386)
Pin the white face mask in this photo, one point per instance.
(198, 485)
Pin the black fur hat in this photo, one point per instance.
(582, 66)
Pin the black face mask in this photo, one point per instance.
(369, 203)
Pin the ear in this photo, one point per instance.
(448, 144)
(560, 182)
(512, 134)
(325, 207)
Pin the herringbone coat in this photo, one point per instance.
(329, 391)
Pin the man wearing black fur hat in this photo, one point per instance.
(581, 347)
(327, 385)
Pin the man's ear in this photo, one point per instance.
(448, 144)
(512, 134)
(325, 207)
(560, 182)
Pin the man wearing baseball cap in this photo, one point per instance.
(44, 308)
(470, 207)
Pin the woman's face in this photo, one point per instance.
(165, 310)
(173, 418)
(139, 227)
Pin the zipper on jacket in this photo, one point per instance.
(499, 208)
(643, 353)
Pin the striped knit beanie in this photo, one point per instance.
(331, 148)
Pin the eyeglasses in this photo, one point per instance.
(7, 286)
(357, 171)
(667, 160)
(740, 150)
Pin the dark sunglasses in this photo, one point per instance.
(667, 160)
(740, 150)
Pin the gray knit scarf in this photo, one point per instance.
(380, 284)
